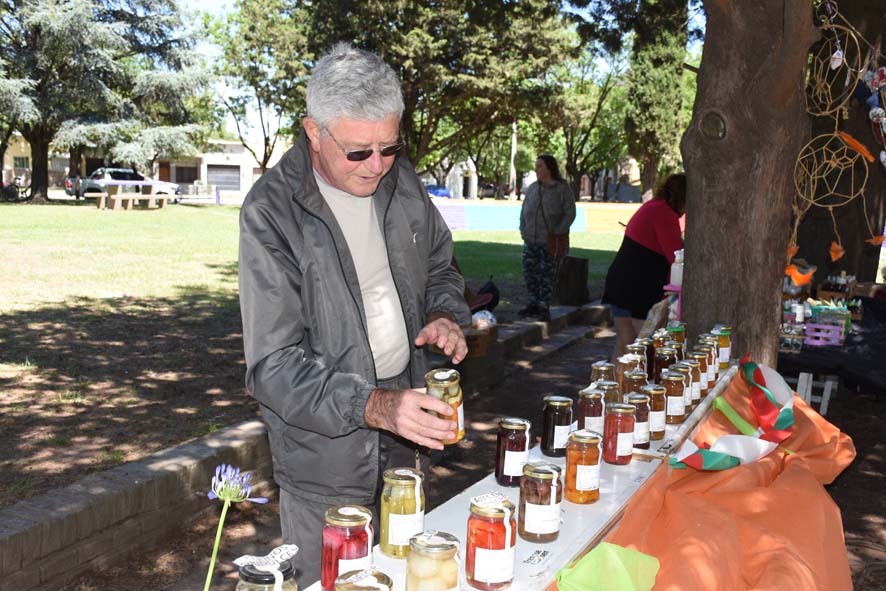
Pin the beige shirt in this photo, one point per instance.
(359, 223)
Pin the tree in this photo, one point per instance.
(16, 107)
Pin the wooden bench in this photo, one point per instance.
(114, 199)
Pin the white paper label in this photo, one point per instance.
(494, 566)
(675, 406)
(687, 394)
(461, 418)
(641, 433)
(696, 390)
(587, 477)
(724, 354)
(657, 421)
(561, 436)
(594, 424)
(345, 566)
(712, 375)
(625, 445)
(402, 527)
(542, 519)
(514, 461)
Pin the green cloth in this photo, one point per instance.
(610, 568)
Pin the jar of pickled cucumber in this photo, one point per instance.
(402, 512)
(445, 385)
(253, 579)
(432, 562)
(368, 579)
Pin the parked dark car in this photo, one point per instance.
(98, 180)
(487, 190)
(438, 191)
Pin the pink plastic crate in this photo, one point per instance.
(820, 335)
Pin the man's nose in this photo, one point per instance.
(375, 163)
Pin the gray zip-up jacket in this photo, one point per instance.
(308, 360)
(559, 211)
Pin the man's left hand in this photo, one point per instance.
(446, 335)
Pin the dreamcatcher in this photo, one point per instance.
(832, 169)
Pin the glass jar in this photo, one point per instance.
(724, 344)
(618, 434)
(650, 357)
(582, 485)
(712, 340)
(659, 338)
(711, 373)
(347, 542)
(701, 359)
(445, 385)
(512, 450)
(678, 347)
(602, 370)
(402, 512)
(641, 419)
(677, 330)
(590, 410)
(687, 383)
(633, 381)
(624, 364)
(368, 579)
(638, 349)
(541, 493)
(611, 392)
(253, 579)
(432, 562)
(695, 372)
(664, 358)
(675, 410)
(557, 425)
(490, 556)
(657, 408)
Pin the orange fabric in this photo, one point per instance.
(766, 525)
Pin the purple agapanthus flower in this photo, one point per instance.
(229, 484)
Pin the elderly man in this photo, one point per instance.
(345, 276)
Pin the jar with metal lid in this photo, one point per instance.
(402, 512)
(253, 579)
(659, 338)
(675, 411)
(368, 579)
(347, 542)
(687, 383)
(678, 347)
(664, 358)
(638, 349)
(650, 357)
(624, 364)
(641, 419)
(657, 408)
(695, 372)
(541, 493)
(633, 381)
(590, 410)
(602, 370)
(724, 344)
(677, 330)
(701, 359)
(512, 450)
(618, 434)
(582, 483)
(432, 562)
(445, 385)
(712, 340)
(611, 391)
(711, 373)
(490, 554)
(557, 425)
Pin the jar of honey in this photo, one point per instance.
(402, 512)
(714, 341)
(724, 343)
(675, 411)
(664, 358)
(590, 410)
(512, 450)
(602, 370)
(677, 330)
(445, 385)
(557, 425)
(638, 349)
(611, 391)
(657, 410)
(541, 493)
(618, 434)
(583, 453)
(659, 338)
(347, 542)
(701, 359)
(490, 554)
(641, 419)
(432, 562)
(678, 347)
(695, 372)
(633, 381)
(687, 383)
(711, 364)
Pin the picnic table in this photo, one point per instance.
(123, 194)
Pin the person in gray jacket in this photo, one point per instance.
(345, 278)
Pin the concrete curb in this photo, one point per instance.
(49, 540)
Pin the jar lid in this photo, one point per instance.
(402, 476)
(644, 341)
(514, 423)
(250, 574)
(348, 516)
(704, 348)
(492, 505)
(676, 329)
(724, 332)
(542, 470)
(604, 364)
(705, 335)
(696, 355)
(635, 398)
(442, 377)
(665, 351)
(558, 401)
(433, 542)
(652, 389)
(635, 346)
(606, 385)
(592, 394)
(681, 367)
(622, 409)
(635, 374)
(673, 376)
(368, 579)
(585, 436)
(691, 362)
(674, 345)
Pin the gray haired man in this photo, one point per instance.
(345, 277)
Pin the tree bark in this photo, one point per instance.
(748, 124)
(648, 175)
(39, 137)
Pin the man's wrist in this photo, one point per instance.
(437, 314)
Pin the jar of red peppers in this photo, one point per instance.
(347, 542)
(582, 485)
(618, 434)
(490, 555)
(602, 370)
(664, 358)
(650, 357)
(432, 562)
(557, 425)
(368, 579)
(512, 450)
(702, 360)
(641, 419)
(657, 410)
(633, 381)
(590, 410)
(611, 391)
(541, 493)
(675, 408)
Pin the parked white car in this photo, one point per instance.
(99, 180)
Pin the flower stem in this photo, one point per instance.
(218, 533)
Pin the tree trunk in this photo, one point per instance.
(74, 157)
(648, 175)
(748, 124)
(39, 138)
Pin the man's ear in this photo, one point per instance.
(313, 132)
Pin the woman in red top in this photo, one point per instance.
(640, 270)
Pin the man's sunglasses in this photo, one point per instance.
(361, 155)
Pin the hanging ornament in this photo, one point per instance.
(793, 249)
(836, 251)
(876, 240)
(834, 67)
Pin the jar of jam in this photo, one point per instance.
(590, 410)
(650, 357)
(695, 372)
(402, 512)
(347, 542)
(687, 383)
(664, 358)
(623, 365)
(512, 450)
(675, 410)
(677, 330)
(712, 340)
(583, 452)
(657, 408)
(633, 381)
(541, 493)
(638, 349)
(368, 579)
(445, 385)
(711, 363)
(678, 347)
(432, 562)
(618, 434)
(557, 425)
(641, 419)
(252, 578)
(602, 370)
(724, 344)
(490, 556)
(659, 338)
(701, 359)
(611, 391)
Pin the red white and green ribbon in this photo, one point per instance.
(772, 400)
